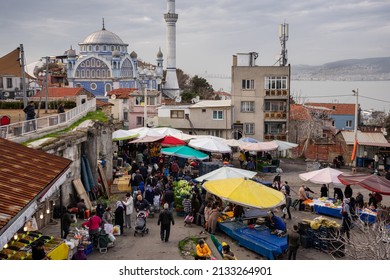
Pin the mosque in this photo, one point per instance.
(104, 64)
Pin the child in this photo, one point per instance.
(188, 220)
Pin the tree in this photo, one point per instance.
(366, 242)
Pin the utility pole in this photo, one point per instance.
(47, 84)
(23, 80)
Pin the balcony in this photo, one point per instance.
(278, 115)
(269, 137)
(276, 93)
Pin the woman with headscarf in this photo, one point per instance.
(119, 211)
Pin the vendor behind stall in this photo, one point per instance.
(274, 222)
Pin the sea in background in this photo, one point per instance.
(372, 94)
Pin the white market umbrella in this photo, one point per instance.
(326, 175)
(210, 145)
(145, 131)
(167, 131)
(123, 135)
(283, 145)
(226, 172)
(260, 146)
(233, 142)
(183, 136)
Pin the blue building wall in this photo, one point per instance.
(340, 122)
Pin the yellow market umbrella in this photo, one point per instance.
(245, 192)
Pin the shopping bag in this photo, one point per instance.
(189, 219)
(116, 230)
(108, 228)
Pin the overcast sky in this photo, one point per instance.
(209, 32)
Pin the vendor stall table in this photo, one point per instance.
(258, 239)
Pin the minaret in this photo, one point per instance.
(171, 87)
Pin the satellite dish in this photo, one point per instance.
(197, 98)
(178, 99)
(113, 96)
(6, 94)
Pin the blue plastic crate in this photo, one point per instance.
(88, 249)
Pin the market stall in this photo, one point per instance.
(330, 207)
(20, 248)
(257, 238)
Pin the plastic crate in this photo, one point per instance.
(306, 241)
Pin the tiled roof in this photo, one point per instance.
(10, 64)
(62, 92)
(26, 174)
(103, 103)
(121, 93)
(338, 108)
(299, 113)
(222, 93)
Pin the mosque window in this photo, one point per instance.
(105, 48)
(93, 86)
(97, 63)
(108, 73)
(93, 74)
(93, 62)
(90, 48)
(82, 64)
(97, 48)
(97, 73)
(108, 87)
(82, 74)
(87, 74)
(112, 48)
(77, 73)
(103, 73)
(87, 63)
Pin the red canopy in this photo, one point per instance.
(172, 141)
(372, 182)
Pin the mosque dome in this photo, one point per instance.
(116, 53)
(103, 37)
(133, 54)
(71, 53)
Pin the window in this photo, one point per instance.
(348, 124)
(248, 84)
(93, 74)
(333, 123)
(82, 73)
(108, 87)
(275, 106)
(217, 115)
(104, 48)
(203, 110)
(97, 48)
(93, 86)
(152, 100)
(177, 114)
(93, 62)
(90, 48)
(87, 63)
(249, 128)
(275, 83)
(9, 82)
(140, 121)
(139, 100)
(274, 128)
(77, 73)
(247, 106)
(126, 116)
(217, 133)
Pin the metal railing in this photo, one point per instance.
(48, 123)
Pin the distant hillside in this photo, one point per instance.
(367, 69)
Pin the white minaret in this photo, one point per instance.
(171, 87)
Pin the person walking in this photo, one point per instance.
(129, 206)
(61, 108)
(294, 241)
(286, 209)
(302, 197)
(29, 110)
(66, 222)
(165, 219)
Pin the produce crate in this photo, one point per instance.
(88, 249)
(305, 241)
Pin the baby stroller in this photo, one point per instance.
(140, 224)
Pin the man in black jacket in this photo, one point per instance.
(29, 110)
(165, 219)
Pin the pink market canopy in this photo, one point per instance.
(370, 182)
(323, 176)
